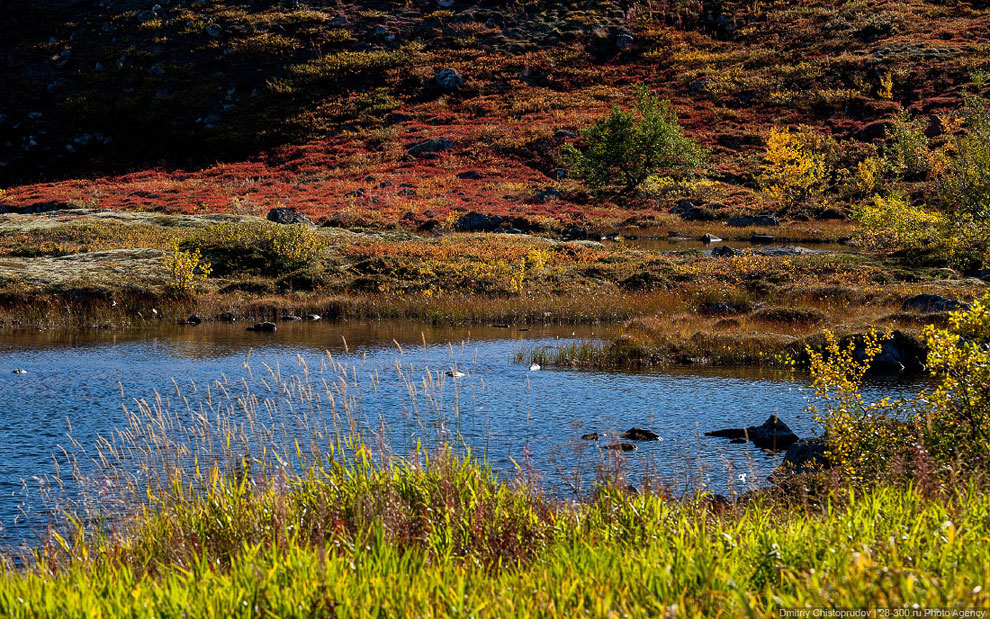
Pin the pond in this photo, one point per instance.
(516, 418)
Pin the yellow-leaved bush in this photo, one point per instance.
(184, 269)
(947, 425)
(794, 168)
(861, 435)
(956, 420)
(929, 236)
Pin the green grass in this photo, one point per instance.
(448, 540)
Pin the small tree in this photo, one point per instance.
(185, 269)
(794, 166)
(625, 147)
(965, 186)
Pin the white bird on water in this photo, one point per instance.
(535, 367)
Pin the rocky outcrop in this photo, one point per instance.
(900, 353)
(773, 434)
(429, 149)
(639, 434)
(263, 326)
(448, 79)
(288, 216)
(478, 222)
(803, 456)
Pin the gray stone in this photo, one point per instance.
(448, 79)
(429, 149)
(287, 216)
(773, 434)
(547, 195)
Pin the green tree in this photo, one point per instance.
(965, 186)
(625, 147)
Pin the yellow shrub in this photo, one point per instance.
(792, 168)
(184, 269)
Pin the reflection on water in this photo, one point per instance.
(502, 411)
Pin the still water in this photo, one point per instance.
(516, 418)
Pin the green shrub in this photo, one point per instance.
(908, 152)
(625, 147)
(965, 185)
(924, 236)
(258, 248)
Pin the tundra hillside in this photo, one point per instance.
(453, 164)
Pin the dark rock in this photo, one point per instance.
(545, 196)
(689, 212)
(290, 318)
(448, 79)
(469, 175)
(288, 216)
(590, 437)
(624, 42)
(621, 446)
(762, 238)
(194, 320)
(773, 434)
(575, 232)
(803, 456)
(263, 326)
(639, 434)
(564, 134)
(478, 222)
(431, 148)
(932, 304)
(900, 353)
(724, 251)
(709, 238)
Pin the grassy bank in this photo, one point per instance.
(445, 539)
(86, 268)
